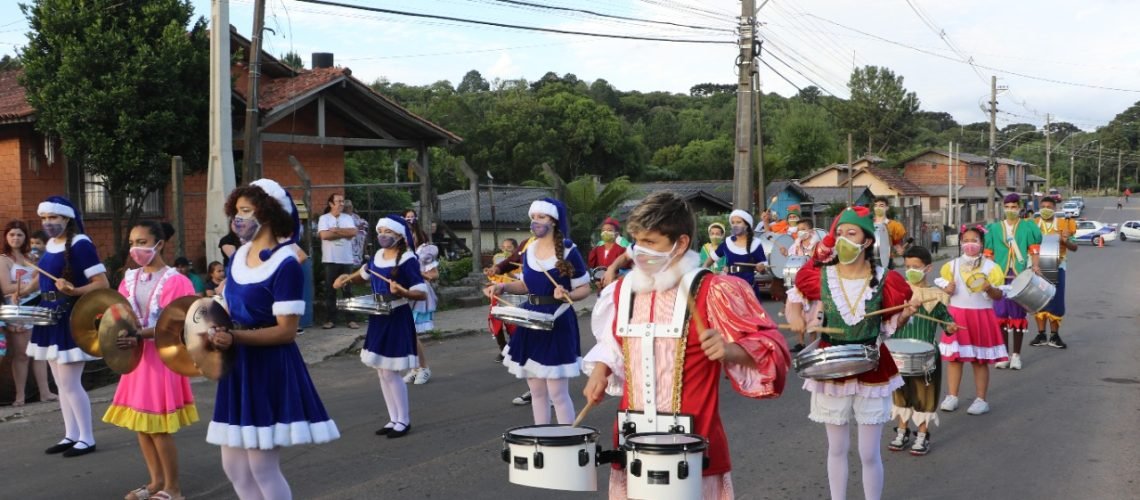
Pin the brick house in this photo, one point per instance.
(930, 170)
(312, 115)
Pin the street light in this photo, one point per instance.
(1072, 155)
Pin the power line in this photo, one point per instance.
(612, 16)
(514, 26)
(688, 9)
(966, 58)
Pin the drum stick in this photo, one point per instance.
(582, 414)
(936, 320)
(556, 285)
(504, 302)
(45, 273)
(381, 276)
(898, 307)
(820, 329)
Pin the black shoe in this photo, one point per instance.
(900, 441)
(393, 434)
(1039, 340)
(499, 358)
(1056, 342)
(797, 348)
(78, 452)
(61, 447)
(921, 445)
(384, 430)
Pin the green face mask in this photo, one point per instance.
(1047, 213)
(848, 250)
(608, 236)
(915, 276)
(1011, 214)
(716, 240)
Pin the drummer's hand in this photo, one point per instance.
(797, 325)
(220, 337)
(341, 281)
(396, 289)
(561, 293)
(951, 329)
(125, 341)
(712, 342)
(596, 385)
(784, 251)
(949, 289)
(765, 216)
(1037, 270)
(488, 271)
(609, 277)
(65, 287)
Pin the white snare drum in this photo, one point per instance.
(793, 266)
(913, 357)
(597, 274)
(663, 466)
(556, 457)
(637, 422)
(835, 361)
(28, 315)
(1031, 291)
(1049, 257)
(525, 317)
(368, 304)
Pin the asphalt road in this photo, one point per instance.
(1064, 427)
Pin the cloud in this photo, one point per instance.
(503, 68)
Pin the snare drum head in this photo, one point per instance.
(908, 346)
(665, 442)
(363, 300)
(550, 435)
(776, 258)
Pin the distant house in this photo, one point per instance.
(836, 174)
(813, 201)
(931, 171)
(890, 183)
(706, 197)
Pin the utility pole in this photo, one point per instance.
(950, 185)
(762, 196)
(1099, 152)
(742, 194)
(991, 168)
(251, 156)
(1119, 159)
(1048, 155)
(850, 175)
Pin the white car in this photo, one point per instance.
(1091, 231)
(1071, 209)
(1079, 199)
(1130, 230)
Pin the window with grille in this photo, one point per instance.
(97, 201)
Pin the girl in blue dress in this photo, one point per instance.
(71, 257)
(390, 345)
(266, 400)
(742, 251)
(547, 359)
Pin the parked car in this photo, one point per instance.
(1079, 199)
(1071, 209)
(1130, 230)
(1094, 232)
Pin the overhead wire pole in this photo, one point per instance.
(1099, 157)
(759, 145)
(991, 167)
(742, 193)
(1048, 155)
(251, 157)
(1119, 165)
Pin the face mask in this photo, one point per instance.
(540, 229)
(971, 249)
(608, 236)
(652, 262)
(1011, 214)
(880, 211)
(54, 229)
(793, 222)
(1047, 213)
(849, 251)
(245, 227)
(386, 240)
(739, 230)
(144, 255)
(716, 240)
(915, 276)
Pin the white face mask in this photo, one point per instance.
(652, 262)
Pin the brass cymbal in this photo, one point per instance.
(85, 316)
(119, 320)
(168, 337)
(202, 315)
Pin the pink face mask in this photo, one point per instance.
(143, 255)
(972, 249)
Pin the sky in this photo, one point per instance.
(1077, 61)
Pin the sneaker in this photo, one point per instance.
(797, 348)
(1039, 340)
(499, 358)
(900, 441)
(422, 376)
(411, 375)
(1001, 365)
(921, 444)
(1015, 362)
(1055, 341)
(949, 403)
(522, 400)
(979, 407)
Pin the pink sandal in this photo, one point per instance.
(163, 495)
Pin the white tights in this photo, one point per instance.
(255, 474)
(73, 401)
(543, 391)
(395, 392)
(838, 443)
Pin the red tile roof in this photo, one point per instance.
(13, 100)
(896, 181)
(278, 91)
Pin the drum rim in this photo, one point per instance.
(932, 347)
(664, 449)
(587, 437)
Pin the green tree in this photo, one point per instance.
(705, 159)
(123, 87)
(473, 82)
(880, 111)
(806, 140)
(293, 60)
(589, 203)
(9, 62)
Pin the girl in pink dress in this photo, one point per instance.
(973, 283)
(152, 400)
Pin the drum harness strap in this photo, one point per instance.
(648, 332)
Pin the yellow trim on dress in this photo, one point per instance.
(151, 423)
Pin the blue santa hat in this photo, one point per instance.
(282, 197)
(58, 205)
(555, 209)
(398, 225)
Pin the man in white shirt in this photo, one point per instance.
(336, 229)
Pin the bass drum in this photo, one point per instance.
(778, 259)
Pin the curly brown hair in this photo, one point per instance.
(5, 248)
(267, 211)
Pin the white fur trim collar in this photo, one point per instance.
(543, 207)
(740, 251)
(665, 280)
(545, 264)
(245, 275)
(51, 208)
(379, 261)
(53, 247)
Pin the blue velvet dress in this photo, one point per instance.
(734, 255)
(54, 342)
(391, 340)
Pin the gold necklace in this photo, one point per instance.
(843, 289)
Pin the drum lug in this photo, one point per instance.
(635, 467)
(506, 454)
(538, 460)
(683, 470)
(704, 462)
(583, 458)
(676, 429)
(628, 428)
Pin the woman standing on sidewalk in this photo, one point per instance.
(152, 400)
(554, 273)
(390, 345)
(17, 275)
(423, 311)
